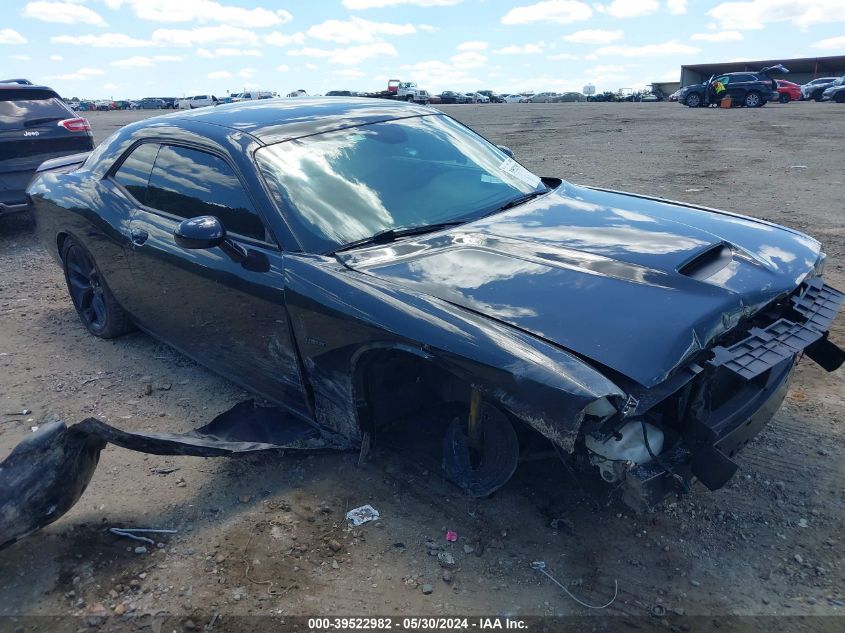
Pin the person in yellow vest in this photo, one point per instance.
(719, 91)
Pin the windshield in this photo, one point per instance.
(344, 186)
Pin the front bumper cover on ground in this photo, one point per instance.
(44, 476)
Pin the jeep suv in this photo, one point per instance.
(750, 89)
(35, 125)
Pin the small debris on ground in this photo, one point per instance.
(361, 515)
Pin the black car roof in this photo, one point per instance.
(275, 120)
(13, 85)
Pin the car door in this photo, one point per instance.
(226, 316)
(740, 85)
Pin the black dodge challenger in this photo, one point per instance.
(361, 262)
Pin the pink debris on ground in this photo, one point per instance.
(451, 536)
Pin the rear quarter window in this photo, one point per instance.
(134, 172)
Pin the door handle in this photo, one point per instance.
(138, 236)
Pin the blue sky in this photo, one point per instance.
(136, 48)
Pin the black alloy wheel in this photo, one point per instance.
(96, 306)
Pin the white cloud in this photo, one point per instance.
(533, 48)
(437, 75)
(563, 56)
(678, 7)
(428, 28)
(56, 58)
(717, 36)
(220, 34)
(605, 69)
(672, 47)
(9, 36)
(80, 75)
(247, 73)
(63, 13)
(105, 40)
(754, 14)
(349, 56)
(831, 43)
(560, 11)
(283, 68)
(202, 11)
(228, 52)
(357, 30)
(349, 72)
(311, 66)
(630, 8)
(468, 59)
(594, 36)
(378, 4)
(141, 61)
(219, 74)
(280, 39)
(21, 58)
(475, 45)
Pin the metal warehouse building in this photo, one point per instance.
(800, 70)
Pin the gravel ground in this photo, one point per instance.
(266, 535)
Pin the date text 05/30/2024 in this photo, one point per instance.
(417, 624)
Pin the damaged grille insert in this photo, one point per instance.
(819, 304)
(764, 348)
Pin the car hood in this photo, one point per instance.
(635, 284)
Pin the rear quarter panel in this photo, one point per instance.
(77, 205)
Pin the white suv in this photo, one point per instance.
(197, 101)
(252, 95)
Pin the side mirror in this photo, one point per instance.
(507, 150)
(205, 231)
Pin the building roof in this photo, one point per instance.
(830, 64)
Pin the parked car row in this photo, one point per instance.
(147, 103)
(814, 90)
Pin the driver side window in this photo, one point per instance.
(188, 183)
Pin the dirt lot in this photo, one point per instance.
(266, 535)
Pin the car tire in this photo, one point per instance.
(784, 98)
(753, 100)
(481, 471)
(840, 97)
(817, 95)
(693, 100)
(94, 302)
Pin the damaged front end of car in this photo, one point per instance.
(691, 426)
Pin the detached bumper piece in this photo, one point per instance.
(46, 473)
(804, 332)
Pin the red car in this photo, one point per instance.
(788, 91)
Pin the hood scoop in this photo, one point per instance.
(708, 262)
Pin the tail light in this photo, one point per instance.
(76, 125)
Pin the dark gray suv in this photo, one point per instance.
(35, 125)
(750, 89)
